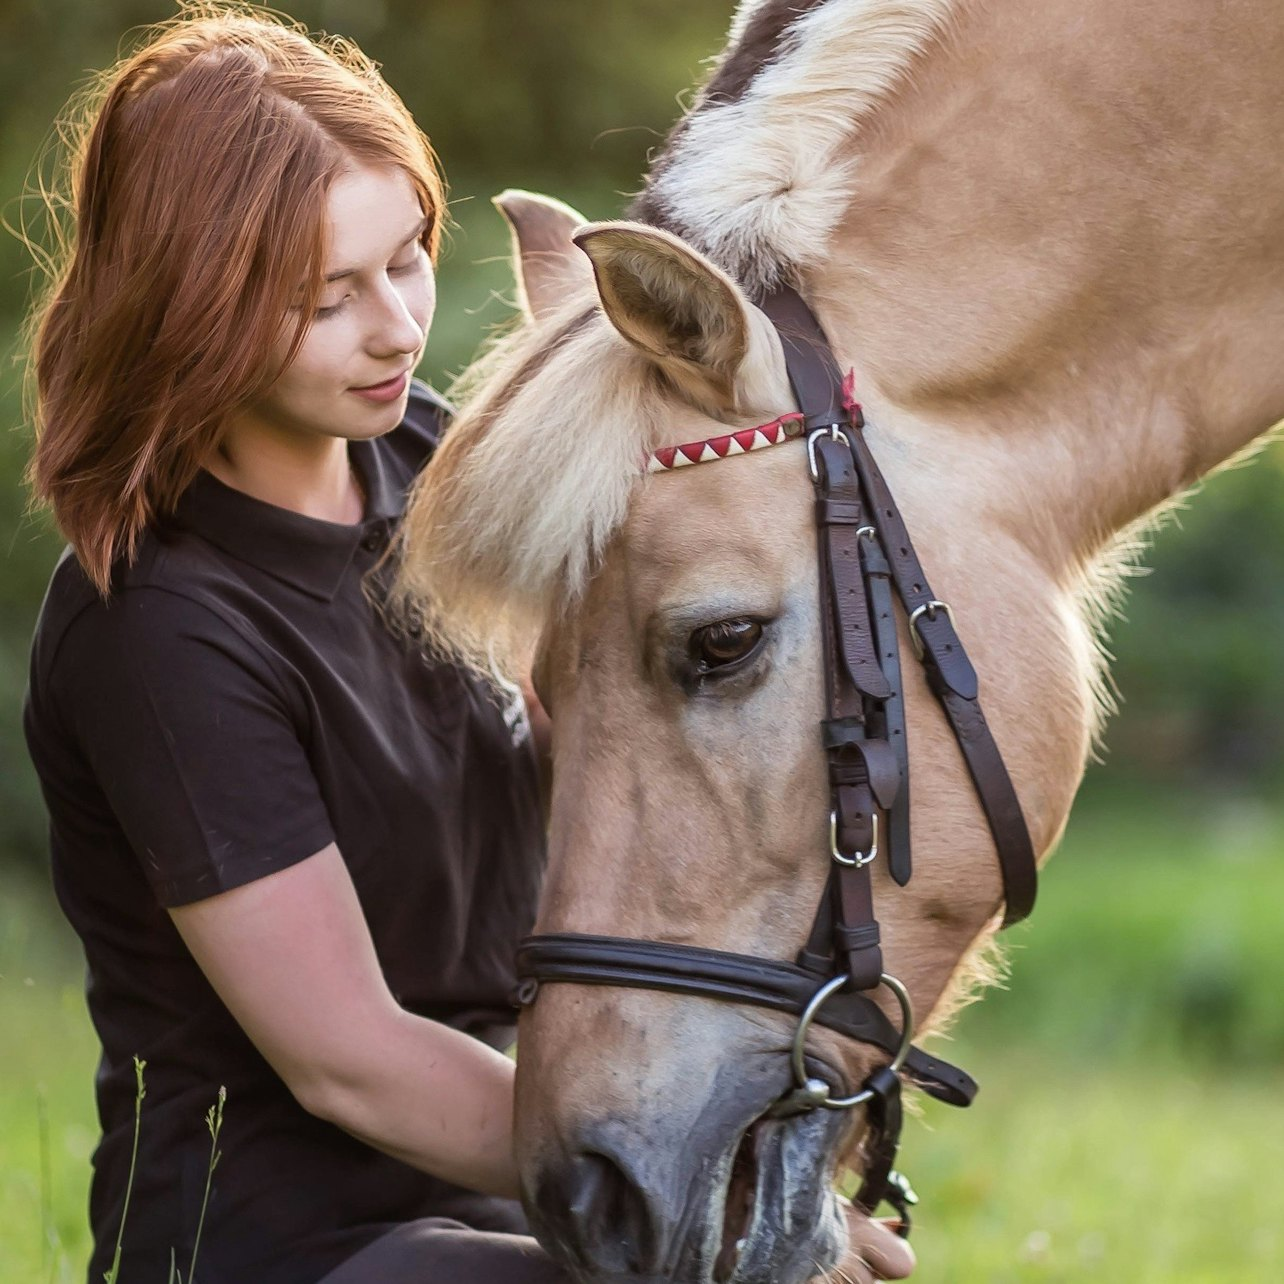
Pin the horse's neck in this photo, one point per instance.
(1066, 252)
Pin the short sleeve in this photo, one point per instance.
(188, 730)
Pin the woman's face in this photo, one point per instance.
(372, 320)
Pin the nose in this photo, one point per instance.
(674, 1171)
(592, 1192)
(401, 323)
(752, 1209)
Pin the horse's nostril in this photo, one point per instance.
(594, 1207)
(597, 1191)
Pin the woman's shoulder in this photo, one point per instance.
(165, 595)
(176, 579)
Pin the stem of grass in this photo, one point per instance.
(110, 1275)
(214, 1122)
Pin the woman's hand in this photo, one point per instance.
(874, 1252)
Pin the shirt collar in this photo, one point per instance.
(305, 552)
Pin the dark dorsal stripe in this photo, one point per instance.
(758, 46)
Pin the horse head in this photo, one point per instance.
(679, 654)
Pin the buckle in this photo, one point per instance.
(929, 609)
(860, 859)
(902, 1197)
(834, 432)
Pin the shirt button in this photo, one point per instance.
(373, 542)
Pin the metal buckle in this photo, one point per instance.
(929, 609)
(808, 1093)
(902, 1197)
(860, 859)
(834, 432)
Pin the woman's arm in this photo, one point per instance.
(291, 956)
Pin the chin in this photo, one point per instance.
(373, 420)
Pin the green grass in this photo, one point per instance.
(49, 1057)
(1114, 1173)
(1157, 932)
(1128, 1129)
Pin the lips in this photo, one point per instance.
(388, 390)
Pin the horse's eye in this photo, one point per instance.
(717, 645)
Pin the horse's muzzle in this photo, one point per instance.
(696, 1189)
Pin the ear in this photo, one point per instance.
(687, 315)
(547, 268)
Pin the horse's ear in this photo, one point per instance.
(547, 267)
(671, 302)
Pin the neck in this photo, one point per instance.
(1063, 266)
(308, 474)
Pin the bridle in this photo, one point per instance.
(865, 554)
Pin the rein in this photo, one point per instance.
(865, 556)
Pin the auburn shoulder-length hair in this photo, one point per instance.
(195, 173)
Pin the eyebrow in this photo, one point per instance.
(414, 236)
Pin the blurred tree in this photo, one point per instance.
(1199, 660)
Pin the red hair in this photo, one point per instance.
(198, 169)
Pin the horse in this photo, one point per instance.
(1047, 241)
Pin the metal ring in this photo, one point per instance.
(798, 1053)
(929, 609)
(834, 432)
(868, 532)
(861, 859)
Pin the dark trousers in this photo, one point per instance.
(488, 1247)
(437, 1250)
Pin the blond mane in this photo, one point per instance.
(760, 181)
(530, 483)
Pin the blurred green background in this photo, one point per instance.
(1129, 1126)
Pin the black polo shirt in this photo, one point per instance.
(237, 705)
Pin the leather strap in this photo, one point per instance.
(818, 386)
(584, 959)
(888, 724)
(840, 515)
(863, 774)
(885, 1115)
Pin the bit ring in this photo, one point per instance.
(798, 1052)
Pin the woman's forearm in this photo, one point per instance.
(291, 956)
(427, 1095)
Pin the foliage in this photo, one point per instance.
(113, 1271)
(213, 1122)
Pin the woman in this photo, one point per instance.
(297, 854)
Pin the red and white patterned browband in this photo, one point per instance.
(787, 428)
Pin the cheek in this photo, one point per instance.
(423, 305)
(320, 363)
